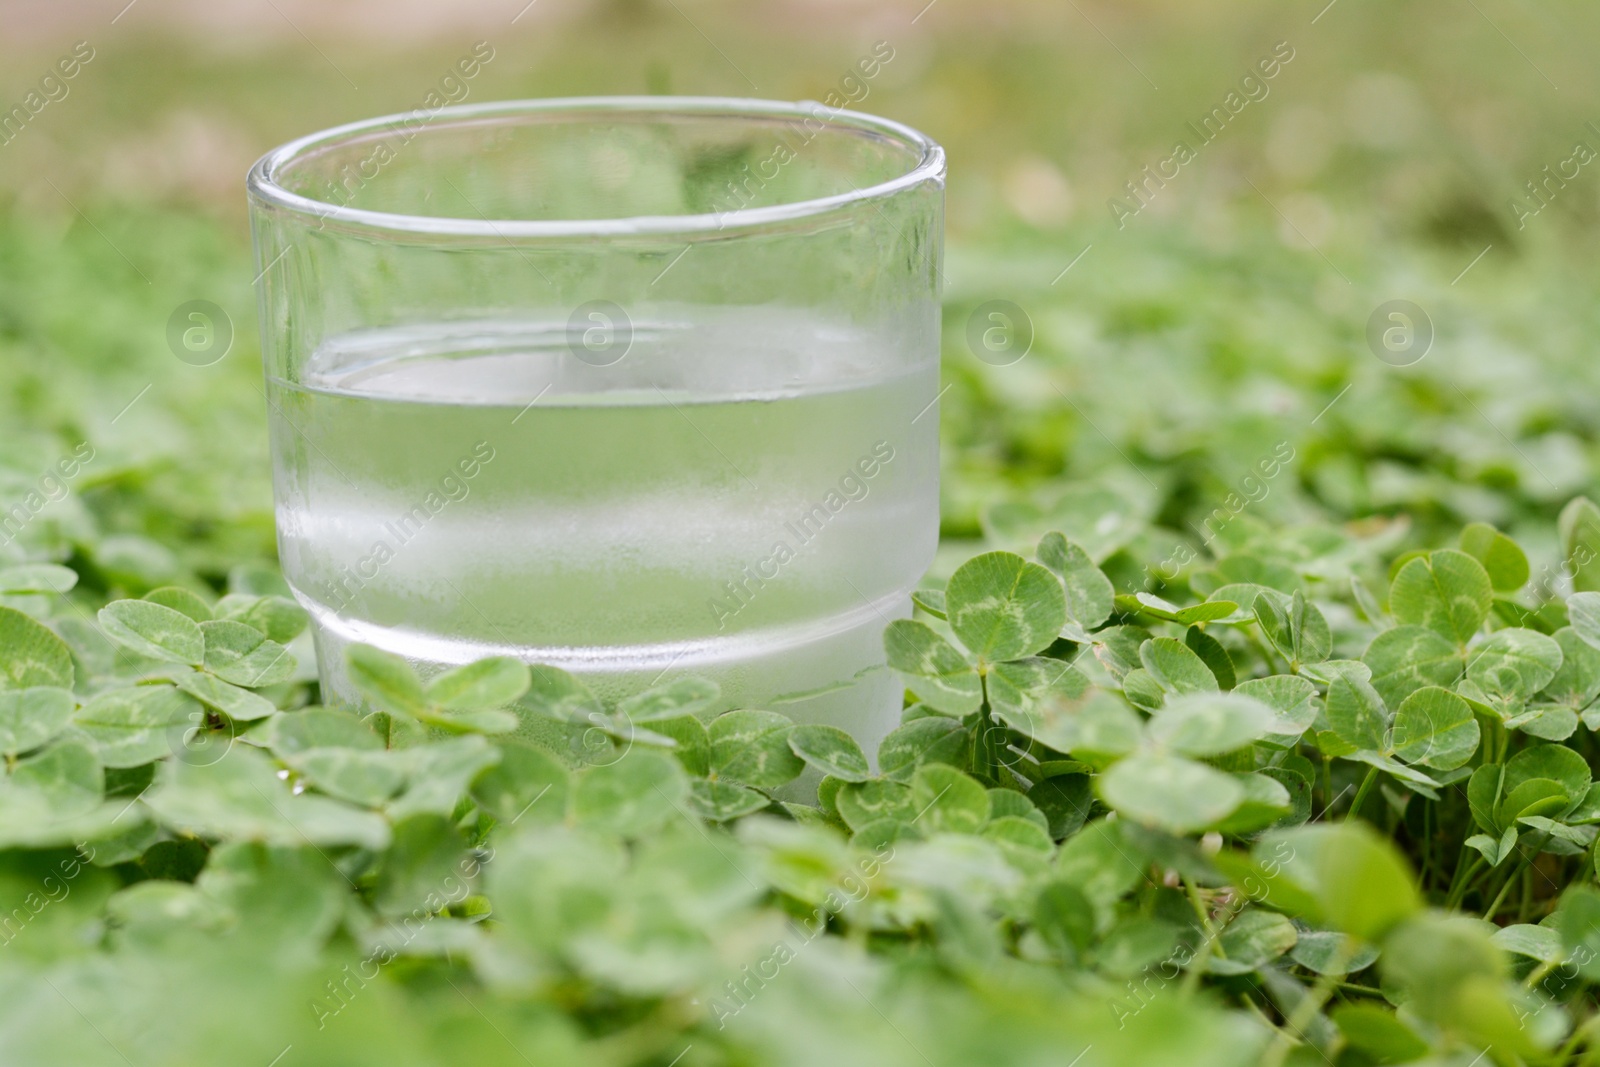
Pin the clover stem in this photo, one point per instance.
(1498, 741)
(1363, 990)
(1213, 943)
(1428, 845)
(1361, 793)
(1327, 782)
(1261, 646)
(1200, 910)
(1463, 876)
(1564, 1054)
(1580, 1034)
(1511, 877)
(985, 761)
(1261, 1016)
(1500, 897)
(1308, 1007)
(1538, 974)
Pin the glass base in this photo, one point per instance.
(828, 671)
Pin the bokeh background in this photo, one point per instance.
(1149, 360)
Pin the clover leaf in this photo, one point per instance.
(1003, 607)
(1166, 790)
(30, 717)
(1295, 626)
(1509, 666)
(31, 654)
(1406, 658)
(466, 699)
(1090, 596)
(1503, 560)
(934, 669)
(1446, 590)
(831, 751)
(242, 797)
(155, 631)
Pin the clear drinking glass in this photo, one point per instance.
(638, 387)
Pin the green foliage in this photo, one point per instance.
(1301, 780)
(1003, 607)
(30, 654)
(468, 699)
(1579, 527)
(1502, 558)
(1447, 591)
(1200, 795)
(1089, 593)
(1235, 724)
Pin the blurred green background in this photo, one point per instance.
(1220, 321)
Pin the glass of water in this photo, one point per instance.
(637, 387)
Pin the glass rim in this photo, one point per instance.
(263, 182)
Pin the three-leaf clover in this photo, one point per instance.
(1432, 728)
(1004, 610)
(1545, 789)
(466, 699)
